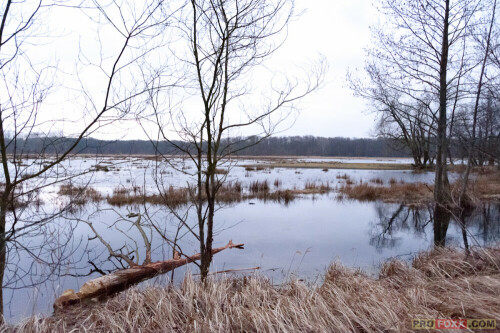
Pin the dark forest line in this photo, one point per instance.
(273, 146)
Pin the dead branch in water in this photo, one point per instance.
(123, 279)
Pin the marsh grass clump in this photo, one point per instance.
(344, 176)
(377, 181)
(413, 193)
(439, 284)
(80, 195)
(310, 186)
(173, 197)
(100, 167)
(314, 188)
(230, 192)
(221, 171)
(259, 187)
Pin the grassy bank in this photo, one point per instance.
(331, 165)
(483, 186)
(438, 284)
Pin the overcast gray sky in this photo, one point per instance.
(337, 29)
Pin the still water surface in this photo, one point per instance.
(298, 240)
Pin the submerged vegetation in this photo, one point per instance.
(443, 283)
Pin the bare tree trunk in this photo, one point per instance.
(462, 199)
(441, 183)
(442, 186)
(3, 256)
(441, 222)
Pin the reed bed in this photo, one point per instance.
(484, 185)
(411, 193)
(172, 197)
(80, 195)
(439, 284)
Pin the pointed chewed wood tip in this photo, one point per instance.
(231, 245)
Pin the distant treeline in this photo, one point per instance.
(274, 146)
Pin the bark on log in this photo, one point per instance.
(122, 279)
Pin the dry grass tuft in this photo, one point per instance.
(80, 195)
(258, 187)
(172, 197)
(486, 186)
(439, 284)
(313, 188)
(406, 193)
(221, 171)
(377, 181)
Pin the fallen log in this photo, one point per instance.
(121, 280)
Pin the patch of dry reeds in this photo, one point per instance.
(440, 284)
(411, 193)
(80, 195)
(172, 197)
(259, 186)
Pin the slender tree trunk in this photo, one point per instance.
(441, 188)
(441, 222)
(3, 248)
(442, 195)
(463, 192)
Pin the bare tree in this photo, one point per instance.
(421, 52)
(487, 47)
(26, 85)
(407, 121)
(226, 41)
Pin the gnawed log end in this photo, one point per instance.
(120, 280)
(68, 297)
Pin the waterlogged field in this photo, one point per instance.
(296, 234)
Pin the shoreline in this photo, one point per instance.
(441, 283)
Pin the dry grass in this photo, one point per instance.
(257, 187)
(221, 171)
(313, 188)
(439, 284)
(331, 165)
(486, 186)
(229, 192)
(416, 193)
(377, 181)
(172, 197)
(80, 195)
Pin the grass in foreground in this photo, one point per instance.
(439, 284)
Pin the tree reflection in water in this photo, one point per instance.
(480, 226)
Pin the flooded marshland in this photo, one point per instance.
(296, 237)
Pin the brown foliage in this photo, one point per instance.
(439, 284)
